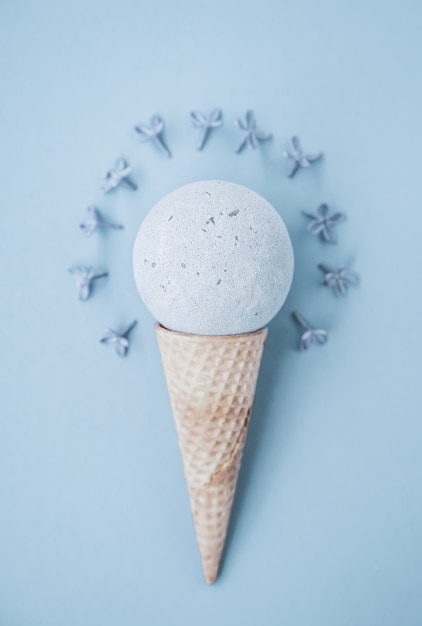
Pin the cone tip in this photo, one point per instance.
(210, 565)
(210, 578)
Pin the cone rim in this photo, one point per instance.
(159, 328)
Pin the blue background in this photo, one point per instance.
(95, 526)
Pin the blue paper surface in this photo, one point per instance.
(95, 526)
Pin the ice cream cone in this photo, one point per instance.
(211, 382)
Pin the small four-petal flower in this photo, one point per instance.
(119, 340)
(309, 335)
(252, 135)
(299, 157)
(324, 223)
(117, 175)
(199, 120)
(95, 221)
(340, 279)
(84, 277)
(153, 133)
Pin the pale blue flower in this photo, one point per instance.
(252, 135)
(119, 340)
(95, 221)
(84, 277)
(199, 120)
(117, 175)
(310, 335)
(153, 133)
(300, 158)
(340, 279)
(323, 223)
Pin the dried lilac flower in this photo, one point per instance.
(118, 175)
(84, 277)
(310, 334)
(153, 133)
(323, 223)
(299, 157)
(199, 120)
(119, 340)
(95, 221)
(252, 135)
(340, 279)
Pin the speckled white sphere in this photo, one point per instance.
(213, 258)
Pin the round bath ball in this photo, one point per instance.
(213, 258)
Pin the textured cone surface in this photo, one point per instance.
(211, 382)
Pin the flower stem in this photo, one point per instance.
(160, 143)
(242, 145)
(294, 170)
(99, 276)
(109, 225)
(203, 137)
(129, 183)
(301, 320)
(128, 329)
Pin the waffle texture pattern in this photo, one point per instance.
(211, 382)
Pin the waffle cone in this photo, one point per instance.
(211, 382)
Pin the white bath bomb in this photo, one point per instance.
(213, 258)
